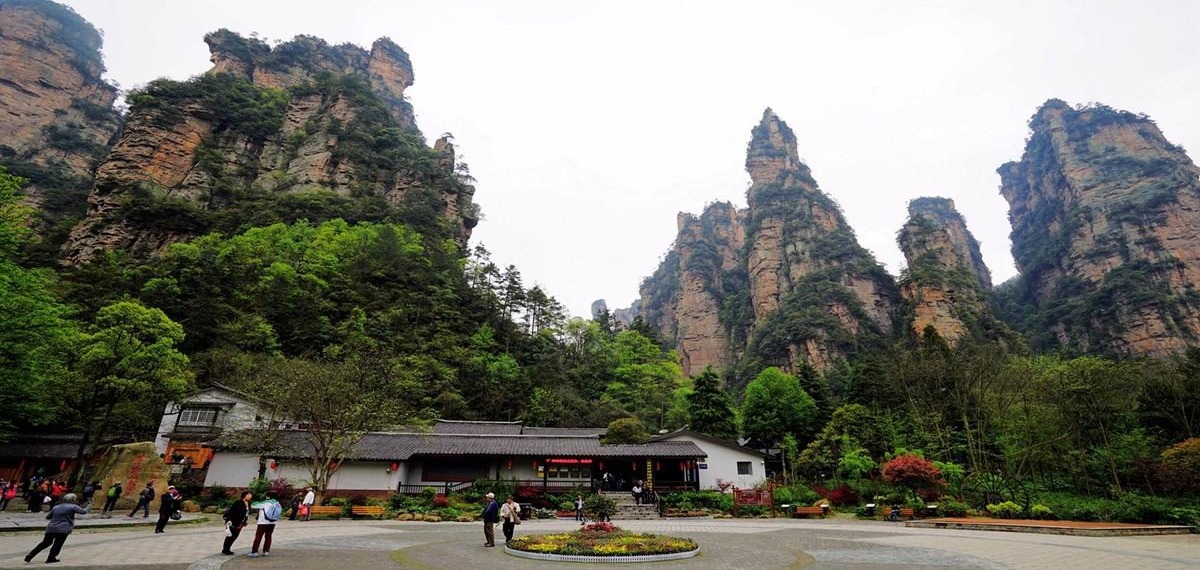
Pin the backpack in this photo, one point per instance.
(273, 511)
(112, 491)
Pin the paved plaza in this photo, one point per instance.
(729, 543)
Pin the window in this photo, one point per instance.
(197, 417)
(745, 468)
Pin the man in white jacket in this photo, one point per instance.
(309, 498)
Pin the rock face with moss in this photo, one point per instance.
(301, 130)
(781, 282)
(1106, 233)
(946, 282)
(56, 115)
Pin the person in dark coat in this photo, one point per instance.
(491, 516)
(235, 520)
(62, 522)
(144, 499)
(110, 500)
(167, 507)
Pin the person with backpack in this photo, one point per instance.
(236, 517)
(62, 522)
(89, 491)
(110, 501)
(7, 493)
(167, 508)
(144, 499)
(269, 512)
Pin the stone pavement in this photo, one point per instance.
(11, 520)
(734, 544)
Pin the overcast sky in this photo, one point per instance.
(589, 125)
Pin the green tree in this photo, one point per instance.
(626, 430)
(33, 325)
(128, 358)
(333, 403)
(710, 409)
(774, 406)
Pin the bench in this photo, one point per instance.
(365, 511)
(904, 514)
(809, 511)
(325, 510)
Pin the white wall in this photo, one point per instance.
(240, 415)
(722, 464)
(231, 469)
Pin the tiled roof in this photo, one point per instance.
(402, 446)
(580, 432)
(42, 447)
(477, 428)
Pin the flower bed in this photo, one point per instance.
(602, 539)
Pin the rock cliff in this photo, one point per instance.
(303, 130)
(56, 112)
(946, 282)
(782, 281)
(1106, 233)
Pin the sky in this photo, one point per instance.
(590, 125)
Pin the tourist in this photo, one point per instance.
(37, 497)
(236, 517)
(89, 491)
(637, 492)
(62, 522)
(110, 499)
(510, 513)
(144, 499)
(269, 512)
(57, 490)
(491, 516)
(579, 507)
(607, 481)
(310, 498)
(294, 504)
(167, 507)
(8, 492)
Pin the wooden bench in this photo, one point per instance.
(809, 511)
(325, 510)
(365, 511)
(904, 514)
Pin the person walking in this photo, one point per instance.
(579, 507)
(110, 500)
(491, 516)
(37, 497)
(62, 522)
(310, 497)
(294, 504)
(236, 517)
(144, 499)
(510, 513)
(269, 512)
(167, 507)
(89, 491)
(637, 492)
(7, 493)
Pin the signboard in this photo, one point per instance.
(569, 461)
(704, 466)
(753, 497)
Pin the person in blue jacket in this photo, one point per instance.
(62, 522)
(491, 516)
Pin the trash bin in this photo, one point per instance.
(526, 510)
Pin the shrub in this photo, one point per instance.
(440, 501)
(794, 495)
(751, 511)
(843, 496)
(1040, 511)
(283, 489)
(1005, 510)
(358, 500)
(912, 473)
(952, 508)
(1180, 467)
(259, 487)
(1136, 507)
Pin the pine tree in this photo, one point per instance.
(709, 407)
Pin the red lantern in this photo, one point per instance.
(395, 466)
(682, 465)
(635, 465)
(534, 462)
(274, 464)
(510, 465)
(658, 465)
(602, 466)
